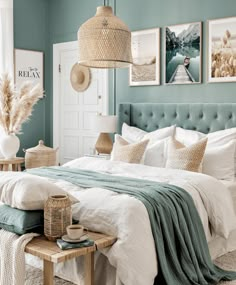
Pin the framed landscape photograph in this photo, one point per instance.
(183, 54)
(222, 50)
(146, 58)
(28, 67)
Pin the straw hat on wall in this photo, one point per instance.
(80, 77)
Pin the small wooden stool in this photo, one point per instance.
(12, 164)
(51, 253)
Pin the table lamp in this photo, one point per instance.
(104, 125)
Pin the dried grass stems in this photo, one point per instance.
(16, 106)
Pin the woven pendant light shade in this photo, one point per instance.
(104, 41)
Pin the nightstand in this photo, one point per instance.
(11, 164)
(100, 156)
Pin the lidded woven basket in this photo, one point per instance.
(40, 155)
(57, 216)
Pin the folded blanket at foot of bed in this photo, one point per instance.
(179, 237)
(12, 262)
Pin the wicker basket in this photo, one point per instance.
(40, 155)
(57, 216)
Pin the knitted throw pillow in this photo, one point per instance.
(126, 152)
(185, 158)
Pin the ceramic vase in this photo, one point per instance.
(9, 145)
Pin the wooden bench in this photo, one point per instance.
(50, 253)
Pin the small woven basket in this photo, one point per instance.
(40, 155)
(57, 216)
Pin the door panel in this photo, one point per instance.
(76, 109)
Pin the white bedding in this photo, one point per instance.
(133, 255)
(231, 185)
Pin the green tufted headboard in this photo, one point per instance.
(205, 117)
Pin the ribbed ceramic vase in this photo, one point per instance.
(9, 145)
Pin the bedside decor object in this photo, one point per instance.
(29, 66)
(75, 232)
(146, 58)
(40, 155)
(222, 50)
(57, 216)
(80, 77)
(104, 41)
(12, 164)
(15, 108)
(9, 144)
(104, 125)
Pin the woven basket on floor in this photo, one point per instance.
(57, 216)
(40, 155)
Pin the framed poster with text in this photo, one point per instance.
(28, 67)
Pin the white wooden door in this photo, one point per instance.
(74, 135)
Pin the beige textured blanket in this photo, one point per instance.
(12, 257)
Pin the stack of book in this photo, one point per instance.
(69, 245)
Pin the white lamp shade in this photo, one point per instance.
(104, 124)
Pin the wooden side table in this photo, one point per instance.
(12, 164)
(50, 253)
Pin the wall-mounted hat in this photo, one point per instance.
(80, 77)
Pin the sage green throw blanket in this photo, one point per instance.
(181, 246)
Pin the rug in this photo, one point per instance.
(34, 276)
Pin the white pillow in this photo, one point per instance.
(156, 153)
(159, 134)
(188, 137)
(219, 161)
(220, 138)
(133, 134)
(27, 192)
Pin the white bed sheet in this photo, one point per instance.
(231, 185)
(133, 257)
(219, 245)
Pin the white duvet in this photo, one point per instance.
(133, 255)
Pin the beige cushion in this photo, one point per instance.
(126, 152)
(186, 158)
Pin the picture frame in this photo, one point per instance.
(28, 66)
(221, 50)
(183, 54)
(145, 46)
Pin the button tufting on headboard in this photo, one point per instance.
(205, 118)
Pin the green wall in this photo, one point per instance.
(30, 32)
(41, 23)
(158, 13)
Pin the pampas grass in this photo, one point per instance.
(16, 106)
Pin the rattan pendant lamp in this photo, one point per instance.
(104, 41)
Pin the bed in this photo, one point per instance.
(132, 259)
(204, 117)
